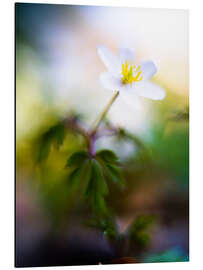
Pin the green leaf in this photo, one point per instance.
(97, 174)
(110, 163)
(142, 238)
(137, 232)
(86, 176)
(56, 134)
(142, 222)
(77, 158)
(76, 176)
(96, 189)
(44, 150)
(99, 203)
(90, 189)
(107, 156)
(115, 174)
(105, 224)
(94, 198)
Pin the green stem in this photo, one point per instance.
(105, 111)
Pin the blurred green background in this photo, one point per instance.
(57, 71)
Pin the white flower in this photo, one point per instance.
(128, 78)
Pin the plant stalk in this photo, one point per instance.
(105, 111)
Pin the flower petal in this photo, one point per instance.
(110, 61)
(110, 82)
(148, 69)
(131, 100)
(125, 54)
(150, 90)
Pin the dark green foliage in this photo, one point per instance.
(79, 163)
(77, 159)
(106, 225)
(97, 174)
(110, 164)
(97, 188)
(44, 149)
(107, 156)
(55, 134)
(142, 223)
(115, 174)
(89, 174)
(137, 232)
(75, 175)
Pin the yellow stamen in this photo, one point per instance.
(131, 73)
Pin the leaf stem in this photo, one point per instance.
(105, 111)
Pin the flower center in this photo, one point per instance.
(131, 73)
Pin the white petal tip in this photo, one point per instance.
(159, 95)
(149, 69)
(151, 90)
